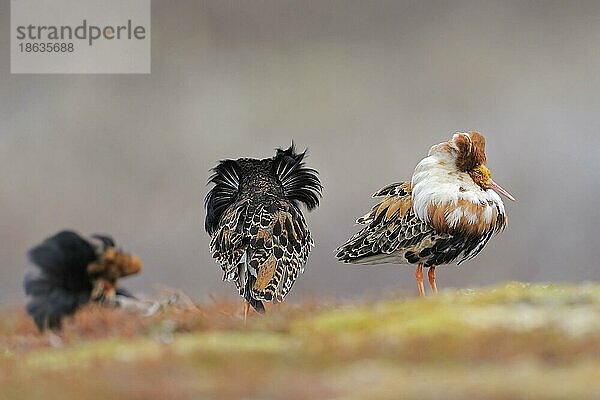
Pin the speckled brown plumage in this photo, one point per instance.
(447, 213)
(259, 235)
(393, 233)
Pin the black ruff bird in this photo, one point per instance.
(259, 235)
(68, 270)
(446, 213)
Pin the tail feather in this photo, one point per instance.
(245, 282)
(256, 304)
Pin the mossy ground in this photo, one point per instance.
(506, 342)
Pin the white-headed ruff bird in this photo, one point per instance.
(259, 235)
(446, 213)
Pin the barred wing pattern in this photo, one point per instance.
(258, 233)
(394, 234)
(262, 247)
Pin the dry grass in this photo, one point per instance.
(507, 342)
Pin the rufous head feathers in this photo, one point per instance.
(470, 150)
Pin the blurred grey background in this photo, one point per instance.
(367, 86)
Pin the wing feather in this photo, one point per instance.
(391, 230)
(279, 250)
(394, 234)
(264, 249)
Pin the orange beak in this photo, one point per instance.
(498, 189)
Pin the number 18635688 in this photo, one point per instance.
(46, 47)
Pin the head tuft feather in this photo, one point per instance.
(226, 178)
(300, 183)
(106, 240)
(470, 150)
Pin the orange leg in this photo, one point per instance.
(419, 278)
(431, 277)
(246, 309)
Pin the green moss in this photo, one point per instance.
(507, 341)
(124, 350)
(515, 306)
(5, 353)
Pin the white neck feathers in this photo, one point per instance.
(449, 199)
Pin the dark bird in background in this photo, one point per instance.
(259, 235)
(446, 213)
(67, 270)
